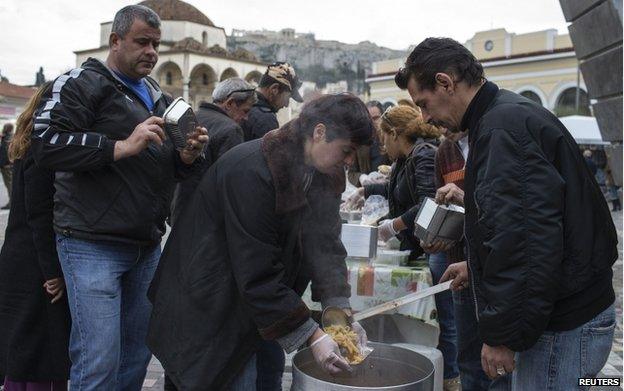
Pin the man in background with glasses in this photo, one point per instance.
(278, 84)
(232, 100)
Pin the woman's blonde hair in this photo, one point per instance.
(408, 122)
(23, 127)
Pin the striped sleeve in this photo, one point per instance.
(61, 140)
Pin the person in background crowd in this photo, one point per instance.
(589, 161)
(232, 101)
(240, 257)
(34, 315)
(5, 163)
(450, 164)
(101, 131)
(540, 235)
(405, 137)
(612, 190)
(369, 158)
(278, 84)
(407, 140)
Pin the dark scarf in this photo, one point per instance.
(477, 107)
(283, 151)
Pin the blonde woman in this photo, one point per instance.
(34, 315)
(411, 144)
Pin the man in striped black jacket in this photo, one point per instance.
(101, 130)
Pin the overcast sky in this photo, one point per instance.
(45, 33)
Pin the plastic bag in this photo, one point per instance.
(373, 178)
(374, 209)
(349, 188)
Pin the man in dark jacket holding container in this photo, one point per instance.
(101, 131)
(540, 236)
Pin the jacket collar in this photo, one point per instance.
(477, 108)
(263, 101)
(101, 67)
(283, 151)
(213, 107)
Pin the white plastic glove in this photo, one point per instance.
(361, 333)
(327, 355)
(355, 200)
(386, 230)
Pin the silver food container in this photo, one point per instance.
(388, 368)
(180, 122)
(360, 241)
(439, 222)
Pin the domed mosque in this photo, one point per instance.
(193, 55)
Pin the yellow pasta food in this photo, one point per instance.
(348, 342)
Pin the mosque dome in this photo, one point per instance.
(177, 10)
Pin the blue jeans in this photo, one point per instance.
(558, 359)
(270, 363)
(468, 343)
(107, 290)
(444, 304)
(246, 380)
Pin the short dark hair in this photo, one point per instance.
(344, 115)
(267, 81)
(375, 103)
(126, 16)
(435, 55)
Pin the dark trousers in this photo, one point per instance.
(169, 386)
(468, 343)
(270, 366)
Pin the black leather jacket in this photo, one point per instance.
(540, 234)
(75, 131)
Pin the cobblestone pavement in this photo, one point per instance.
(154, 380)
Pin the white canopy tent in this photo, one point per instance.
(584, 129)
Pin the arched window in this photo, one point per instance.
(566, 103)
(204, 79)
(205, 38)
(533, 96)
(168, 78)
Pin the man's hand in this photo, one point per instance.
(450, 194)
(55, 288)
(194, 145)
(458, 272)
(497, 360)
(436, 246)
(146, 132)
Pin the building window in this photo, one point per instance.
(168, 79)
(566, 103)
(489, 45)
(205, 38)
(204, 79)
(532, 96)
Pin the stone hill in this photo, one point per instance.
(315, 60)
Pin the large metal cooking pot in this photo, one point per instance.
(387, 368)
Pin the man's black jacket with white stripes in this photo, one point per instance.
(75, 131)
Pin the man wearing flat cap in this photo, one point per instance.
(278, 84)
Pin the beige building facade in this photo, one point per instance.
(540, 65)
(193, 56)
